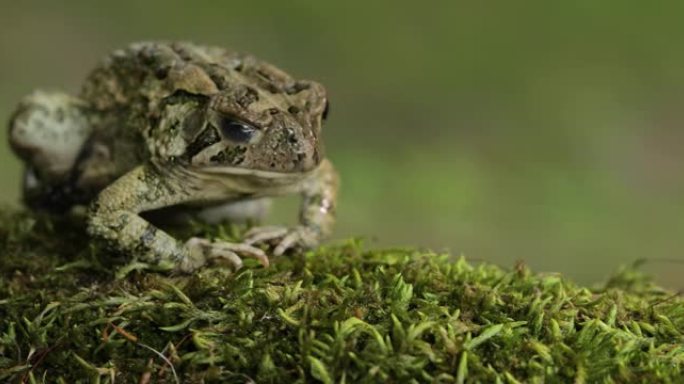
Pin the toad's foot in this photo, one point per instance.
(201, 250)
(286, 238)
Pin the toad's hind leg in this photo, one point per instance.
(48, 131)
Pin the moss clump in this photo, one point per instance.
(337, 314)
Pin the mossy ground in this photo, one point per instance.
(336, 314)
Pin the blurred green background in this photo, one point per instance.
(549, 132)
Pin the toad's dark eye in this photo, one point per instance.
(236, 130)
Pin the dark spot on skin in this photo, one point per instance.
(161, 73)
(147, 238)
(120, 221)
(206, 138)
(219, 158)
(272, 88)
(297, 87)
(249, 95)
(232, 155)
(218, 74)
(273, 165)
(293, 110)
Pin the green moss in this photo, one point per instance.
(337, 314)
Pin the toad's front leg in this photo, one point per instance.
(114, 217)
(316, 214)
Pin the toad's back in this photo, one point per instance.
(138, 74)
(146, 72)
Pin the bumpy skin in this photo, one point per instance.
(175, 124)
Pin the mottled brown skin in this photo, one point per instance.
(175, 124)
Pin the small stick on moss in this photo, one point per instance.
(134, 339)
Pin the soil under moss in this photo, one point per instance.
(71, 312)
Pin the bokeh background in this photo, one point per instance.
(549, 132)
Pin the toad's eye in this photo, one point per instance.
(236, 130)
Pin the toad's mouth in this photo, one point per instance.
(255, 175)
(238, 171)
(252, 180)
